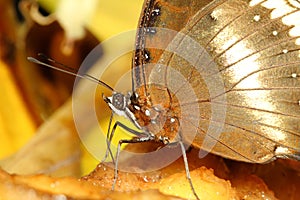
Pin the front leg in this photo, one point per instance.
(133, 140)
(110, 135)
(108, 141)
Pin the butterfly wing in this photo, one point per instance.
(240, 66)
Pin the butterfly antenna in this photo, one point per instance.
(67, 70)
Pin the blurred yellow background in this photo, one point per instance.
(103, 20)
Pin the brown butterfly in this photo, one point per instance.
(223, 76)
(257, 57)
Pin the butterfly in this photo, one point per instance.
(223, 76)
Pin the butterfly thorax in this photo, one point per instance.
(156, 112)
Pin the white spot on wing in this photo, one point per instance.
(288, 10)
(256, 18)
(275, 33)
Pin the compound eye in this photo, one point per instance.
(119, 101)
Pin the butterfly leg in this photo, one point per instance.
(141, 137)
(109, 137)
(187, 170)
(186, 164)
